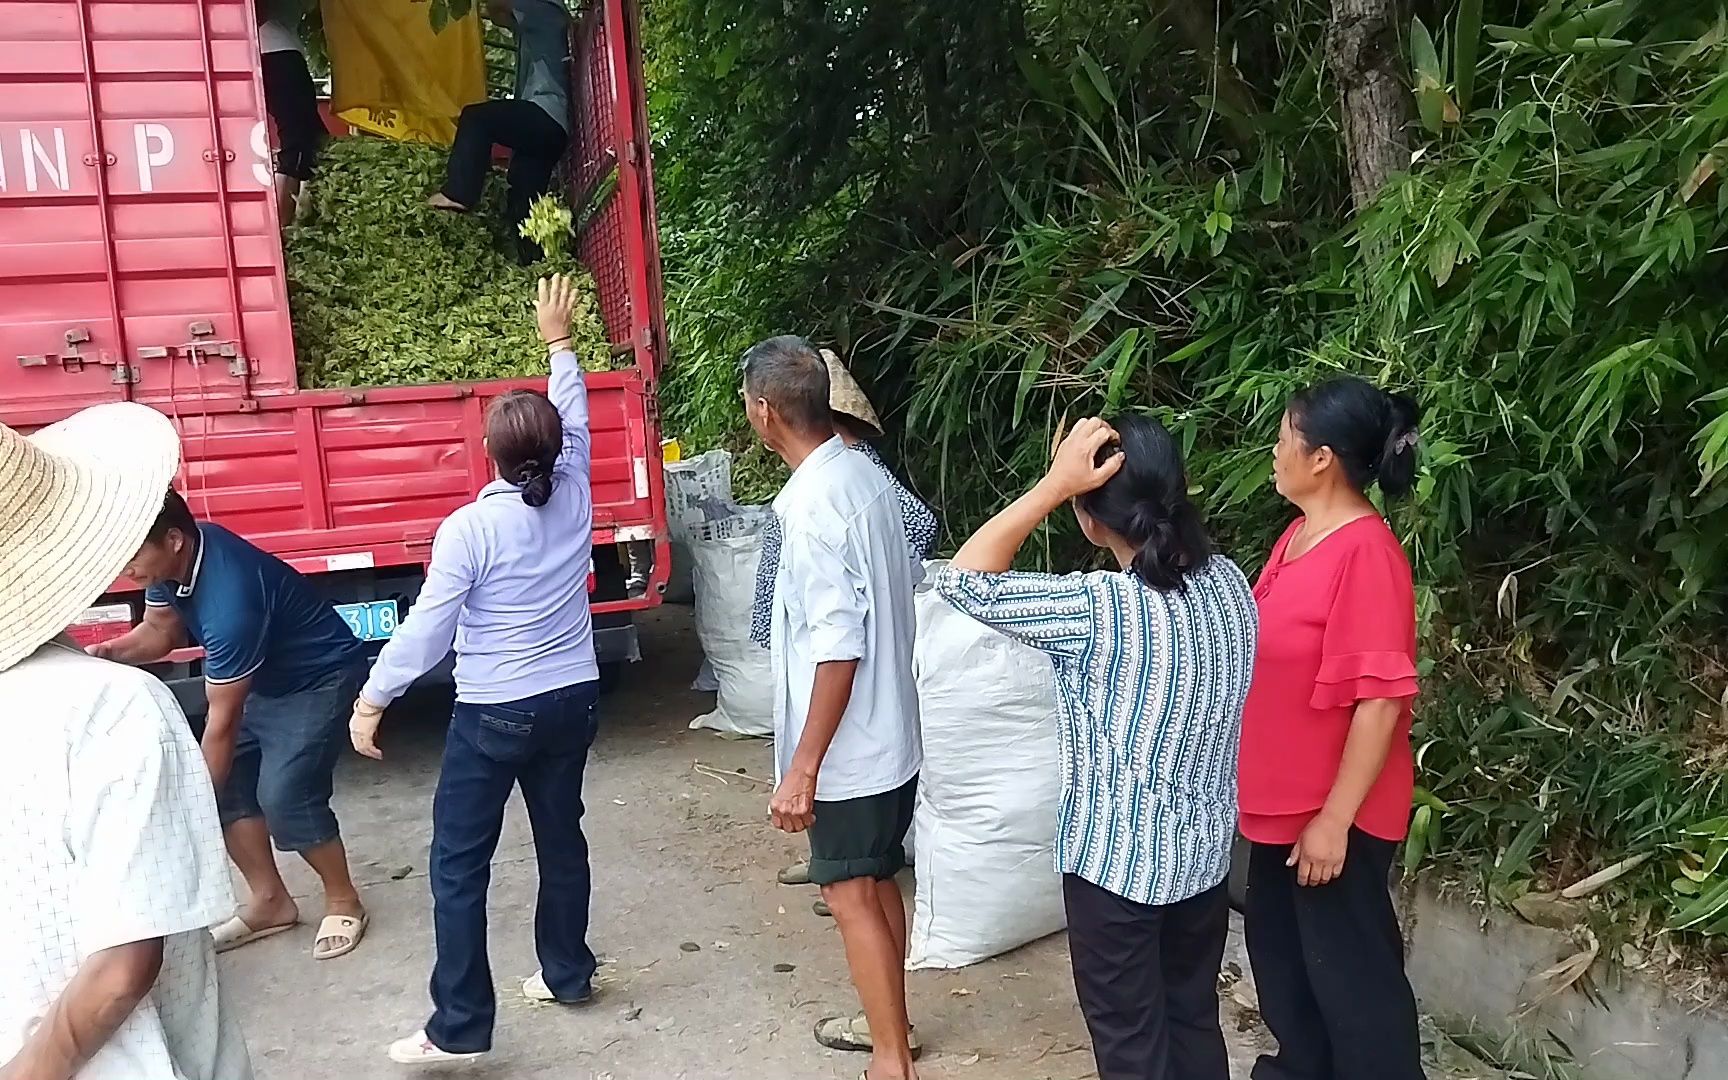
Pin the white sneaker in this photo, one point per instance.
(417, 1049)
(534, 988)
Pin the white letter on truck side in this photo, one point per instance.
(261, 147)
(35, 152)
(150, 160)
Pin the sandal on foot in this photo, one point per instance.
(853, 1033)
(345, 930)
(235, 933)
(417, 1049)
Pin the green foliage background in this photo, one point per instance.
(1013, 211)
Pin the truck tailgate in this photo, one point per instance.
(138, 249)
(139, 260)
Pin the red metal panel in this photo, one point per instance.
(135, 206)
(619, 244)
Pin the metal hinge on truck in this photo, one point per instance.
(72, 358)
(201, 349)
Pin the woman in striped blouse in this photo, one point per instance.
(1152, 664)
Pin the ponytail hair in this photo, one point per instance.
(535, 480)
(524, 435)
(1146, 503)
(1370, 431)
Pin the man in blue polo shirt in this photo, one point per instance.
(280, 669)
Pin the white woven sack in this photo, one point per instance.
(985, 825)
(696, 490)
(724, 573)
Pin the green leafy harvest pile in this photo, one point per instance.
(387, 291)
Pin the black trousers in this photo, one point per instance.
(292, 102)
(1147, 978)
(536, 143)
(1329, 967)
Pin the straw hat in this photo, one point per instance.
(847, 397)
(76, 501)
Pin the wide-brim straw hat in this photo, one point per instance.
(847, 397)
(76, 501)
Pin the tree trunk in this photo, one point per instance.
(1374, 97)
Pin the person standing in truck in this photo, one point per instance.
(280, 667)
(507, 587)
(291, 100)
(111, 855)
(534, 123)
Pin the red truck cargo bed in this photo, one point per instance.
(139, 260)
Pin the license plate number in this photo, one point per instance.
(373, 620)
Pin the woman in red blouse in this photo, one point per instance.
(1326, 772)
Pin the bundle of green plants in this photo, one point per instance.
(385, 290)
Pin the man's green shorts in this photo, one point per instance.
(863, 837)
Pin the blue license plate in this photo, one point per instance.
(374, 620)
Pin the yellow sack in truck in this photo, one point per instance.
(392, 74)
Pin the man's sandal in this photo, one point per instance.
(853, 1033)
(235, 932)
(344, 930)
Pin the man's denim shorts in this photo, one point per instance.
(285, 761)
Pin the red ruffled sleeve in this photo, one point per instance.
(1368, 649)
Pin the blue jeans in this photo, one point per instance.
(542, 743)
(285, 761)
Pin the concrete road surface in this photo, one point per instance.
(712, 970)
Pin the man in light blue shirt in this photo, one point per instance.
(847, 748)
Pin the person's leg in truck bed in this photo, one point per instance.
(292, 102)
(536, 145)
(470, 156)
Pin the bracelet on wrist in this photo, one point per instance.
(559, 343)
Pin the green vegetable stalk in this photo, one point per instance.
(548, 224)
(385, 290)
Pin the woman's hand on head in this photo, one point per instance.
(1076, 469)
(554, 305)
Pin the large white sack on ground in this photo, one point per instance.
(724, 573)
(987, 799)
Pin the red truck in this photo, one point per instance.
(139, 260)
